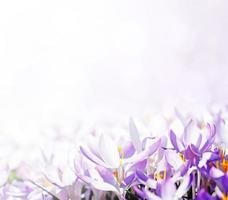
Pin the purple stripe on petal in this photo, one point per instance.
(211, 138)
(144, 154)
(128, 180)
(106, 175)
(184, 169)
(140, 193)
(154, 147)
(141, 165)
(128, 150)
(195, 150)
(203, 195)
(224, 182)
(141, 176)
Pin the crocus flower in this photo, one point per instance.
(186, 161)
(112, 167)
(219, 173)
(193, 150)
(59, 180)
(25, 190)
(166, 189)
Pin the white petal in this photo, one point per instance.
(173, 159)
(191, 134)
(183, 188)
(216, 173)
(68, 176)
(204, 159)
(168, 190)
(108, 151)
(99, 185)
(161, 166)
(190, 170)
(151, 183)
(134, 134)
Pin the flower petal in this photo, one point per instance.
(184, 186)
(106, 175)
(168, 189)
(199, 140)
(99, 185)
(144, 154)
(216, 173)
(210, 139)
(186, 135)
(128, 180)
(173, 159)
(108, 151)
(203, 195)
(176, 142)
(128, 150)
(92, 157)
(134, 134)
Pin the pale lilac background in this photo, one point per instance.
(63, 61)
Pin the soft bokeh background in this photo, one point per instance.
(68, 61)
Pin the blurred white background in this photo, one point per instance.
(63, 61)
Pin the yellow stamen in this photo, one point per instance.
(119, 173)
(164, 174)
(181, 156)
(160, 175)
(115, 173)
(155, 176)
(120, 150)
(224, 196)
(223, 164)
(217, 164)
(202, 125)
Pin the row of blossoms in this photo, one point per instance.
(184, 159)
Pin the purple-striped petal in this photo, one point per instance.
(144, 154)
(176, 142)
(88, 154)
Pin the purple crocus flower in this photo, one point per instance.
(166, 189)
(221, 179)
(192, 151)
(112, 170)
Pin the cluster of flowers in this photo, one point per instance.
(182, 163)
